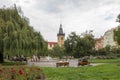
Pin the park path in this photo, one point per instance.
(52, 63)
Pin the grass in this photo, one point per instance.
(105, 60)
(109, 71)
(13, 63)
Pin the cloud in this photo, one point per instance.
(75, 15)
(4, 3)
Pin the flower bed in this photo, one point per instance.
(21, 73)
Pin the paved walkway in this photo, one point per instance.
(52, 63)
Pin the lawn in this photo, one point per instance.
(109, 71)
(105, 60)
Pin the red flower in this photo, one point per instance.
(20, 71)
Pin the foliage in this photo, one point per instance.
(1, 47)
(116, 51)
(10, 63)
(77, 45)
(101, 72)
(117, 32)
(17, 35)
(118, 18)
(21, 73)
(117, 35)
(104, 51)
(112, 52)
(70, 43)
(57, 51)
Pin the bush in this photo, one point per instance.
(21, 73)
(13, 63)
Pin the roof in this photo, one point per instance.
(61, 31)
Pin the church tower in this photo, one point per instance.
(60, 36)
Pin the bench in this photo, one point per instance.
(83, 62)
(62, 63)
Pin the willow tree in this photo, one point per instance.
(1, 40)
(17, 35)
(1, 50)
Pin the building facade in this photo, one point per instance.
(109, 38)
(51, 45)
(106, 40)
(99, 43)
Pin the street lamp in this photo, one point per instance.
(70, 46)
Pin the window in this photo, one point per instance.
(50, 45)
(61, 38)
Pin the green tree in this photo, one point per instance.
(117, 32)
(1, 50)
(118, 18)
(2, 25)
(58, 51)
(117, 35)
(70, 43)
(17, 36)
(77, 45)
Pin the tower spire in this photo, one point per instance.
(60, 31)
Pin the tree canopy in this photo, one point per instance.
(117, 32)
(117, 35)
(77, 45)
(118, 18)
(17, 35)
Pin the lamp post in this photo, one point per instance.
(70, 44)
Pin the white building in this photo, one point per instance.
(109, 38)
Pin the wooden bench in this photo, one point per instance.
(62, 63)
(83, 62)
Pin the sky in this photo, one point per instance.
(74, 15)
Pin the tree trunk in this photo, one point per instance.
(1, 51)
(1, 58)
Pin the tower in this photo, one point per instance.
(60, 36)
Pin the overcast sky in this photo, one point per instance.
(75, 15)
